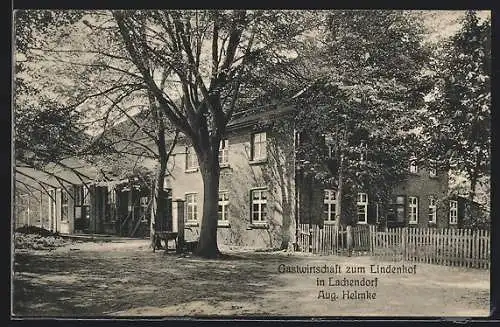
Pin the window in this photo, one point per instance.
(330, 144)
(111, 205)
(432, 168)
(224, 153)
(52, 209)
(413, 166)
(223, 208)
(258, 146)
(400, 208)
(144, 204)
(78, 201)
(64, 205)
(259, 204)
(330, 205)
(413, 209)
(78, 196)
(191, 208)
(191, 159)
(362, 208)
(432, 209)
(86, 197)
(453, 212)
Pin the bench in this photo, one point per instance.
(166, 236)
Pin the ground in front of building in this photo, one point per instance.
(125, 278)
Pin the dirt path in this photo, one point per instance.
(126, 278)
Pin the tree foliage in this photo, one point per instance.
(457, 120)
(368, 87)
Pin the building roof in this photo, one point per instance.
(74, 171)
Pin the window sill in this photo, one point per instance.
(223, 225)
(412, 222)
(362, 223)
(191, 170)
(222, 166)
(329, 222)
(258, 161)
(259, 226)
(192, 224)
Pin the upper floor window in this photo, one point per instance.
(413, 209)
(223, 208)
(259, 206)
(330, 205)
(453, 212)
(224, 153)
(362, 204)
(432, 209)
(191, 208)
(413, 166)
(191, 159)
(259, 146)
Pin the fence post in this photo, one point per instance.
(404, 237)
(310, 237)
(370, 234)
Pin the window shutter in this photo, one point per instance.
(371, 219)
(251, 149)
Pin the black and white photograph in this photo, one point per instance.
(218, 163)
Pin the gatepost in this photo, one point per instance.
(178, 222)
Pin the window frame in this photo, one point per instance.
(263, 219)
(400, 205)
(262, 143)
(360, 203)
(432, 209)
(413, 166)
(64, 206)
(411, 206)
(455, 210)
(191, 159)
(224, 205)
(188, 219)
(224, 153)
(330, 216)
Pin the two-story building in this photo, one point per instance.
(262, 196)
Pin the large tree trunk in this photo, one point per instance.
(210, 172)
(158, 206)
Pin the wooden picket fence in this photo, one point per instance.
(327, 240)
(444, 246)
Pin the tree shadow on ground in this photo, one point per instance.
(93, 283)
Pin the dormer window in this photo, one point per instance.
(259, 146)
(432, 169)
(413, 165)
(191, 159)
(363, 152)
(224, 153)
